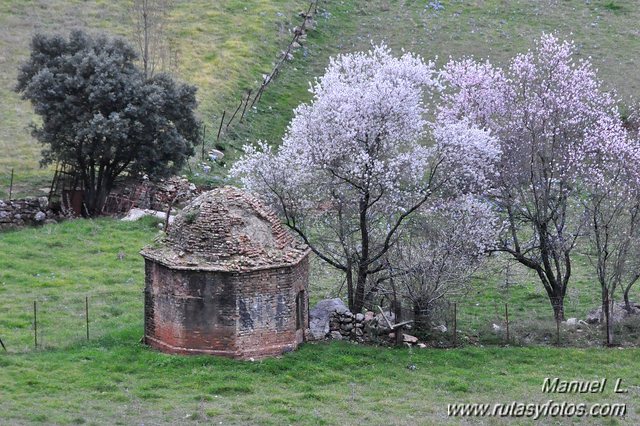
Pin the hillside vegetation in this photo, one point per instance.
(225, 47)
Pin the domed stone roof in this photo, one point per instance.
(226, 229)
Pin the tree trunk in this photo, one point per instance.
(421, 320)
(610, 323)
(556, 298)
(361, 284)
(627, 289)
(606, 313)
(558, 309)
(627, 302)
(96, 197)
(350, 298)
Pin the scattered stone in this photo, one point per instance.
(496, 328)
(572, 321)
(40, 216)
(441, 328)
(320, 321)
(137, 214)
(407, 338)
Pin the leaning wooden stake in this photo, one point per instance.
(245, 105)
(385, 318)
(234, 114)
(3, 346)
(221, 123)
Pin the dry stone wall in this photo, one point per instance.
(26, 212)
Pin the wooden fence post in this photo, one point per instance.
(455, 324)
(221, 122)
(86, 313)
(204, 134)
(11, 185)
(506, 314)
(35, 324)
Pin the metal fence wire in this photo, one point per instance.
(56, 323)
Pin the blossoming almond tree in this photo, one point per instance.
(444, 246)
(544, 108)
(353, 166)
(612, 202)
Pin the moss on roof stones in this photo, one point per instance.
(226, 229)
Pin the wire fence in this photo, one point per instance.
(52, 323)
(56, 324)
(502, 324)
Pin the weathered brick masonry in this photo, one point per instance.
(227, 280)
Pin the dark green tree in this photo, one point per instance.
(101, 115)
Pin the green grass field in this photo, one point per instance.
(113, 379)
(224, 49)
(117, 381)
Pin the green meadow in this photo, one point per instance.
(224, 47)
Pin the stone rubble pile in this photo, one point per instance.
(176, 189)
(147, 195)
(596, 316)
(331, 319)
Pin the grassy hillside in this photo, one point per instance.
(58, 266)
(604, 30)
(223, 47)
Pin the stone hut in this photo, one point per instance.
(228, 279)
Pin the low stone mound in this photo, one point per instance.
(595, 316)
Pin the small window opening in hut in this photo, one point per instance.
(299, 309)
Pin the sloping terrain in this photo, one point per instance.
(222, 47)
